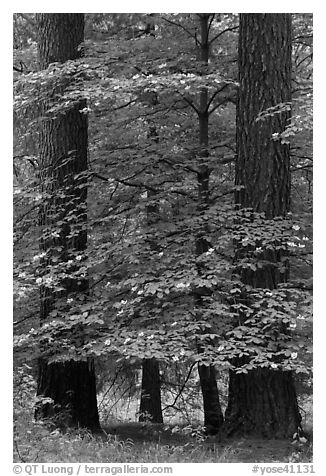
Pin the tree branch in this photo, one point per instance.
(215, 94)
(25, 214)
(186, 167)
(124, 105)
(16, 323)
(140, 185)
(210, 22)
(218, 105)
(191, 104)
(181, 389)
(184, 28)
(300, 167)
(222, 33)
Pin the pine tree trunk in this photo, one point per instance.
(213, 416)
(72, 387)
(63, 154)
(150, 408)
(263, 402)
(150, 400)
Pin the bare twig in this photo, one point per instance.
(124, 105)
(184, 28)
(222, 33)
(18, 452)
(16, 323)
(191, 104)
(25, 214)
(215, 94)
(182, 388)
(210, 22)
(308, 166)
(218, 105)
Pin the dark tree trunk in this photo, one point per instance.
(213, 416)
(263, 164)
(263, 402)
(60, 36)
(150, 408)
(63, 154)
(72, 386)
(150, 401)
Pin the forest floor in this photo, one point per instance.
(141, 443)
(122, 441)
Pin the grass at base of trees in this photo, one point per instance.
(140, 443)
(132, 442)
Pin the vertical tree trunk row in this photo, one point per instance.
(261, 402)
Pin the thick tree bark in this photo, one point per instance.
(72, 387)
(213, 416)
(263, 402)
(63, 219)
(60, 37)
(262, 164)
